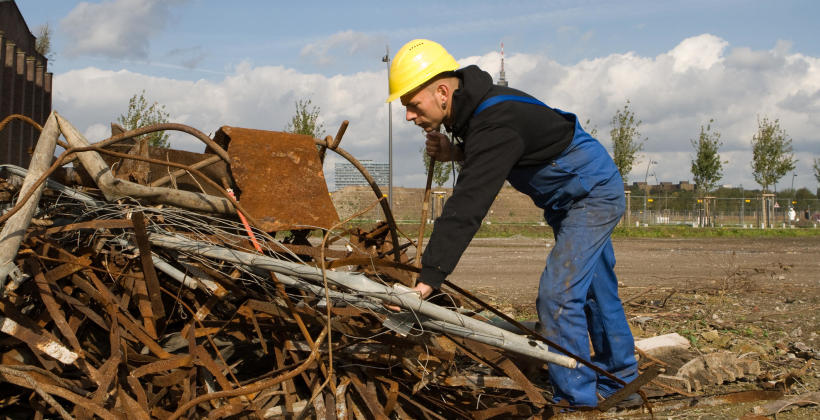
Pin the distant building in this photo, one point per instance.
(665, 186)
(346, 174)
(25, 85)
(686, 186)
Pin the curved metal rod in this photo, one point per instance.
(21, 118)
(30, 122)
(59, 162)
(388, 213)
(165, 127)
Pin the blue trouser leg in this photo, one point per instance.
(578, 300)
(608, 329)
(581, 193)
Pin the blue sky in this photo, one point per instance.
(244, 63)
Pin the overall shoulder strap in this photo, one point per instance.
(503, 98)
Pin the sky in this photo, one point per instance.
(680, 64)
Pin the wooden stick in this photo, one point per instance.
(424, 208)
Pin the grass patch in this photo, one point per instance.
(719, 232)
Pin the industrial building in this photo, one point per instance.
(25, 85)
(347, 175)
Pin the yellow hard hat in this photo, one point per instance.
(415, 63)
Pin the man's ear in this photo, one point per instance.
(442, 92)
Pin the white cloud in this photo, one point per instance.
(325, 51)
(732, 85)
(115, 28)
(700, 53)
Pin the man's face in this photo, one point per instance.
(424, 109)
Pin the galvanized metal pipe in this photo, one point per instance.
(15, 228)
(54, 185)
(361, 284)
(427, 323)
(187, 280)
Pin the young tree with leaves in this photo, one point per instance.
(306, 120)
(817, 169)
(141, 113)
(707, 168)
(441, 174)
(772, 154)
(626, 139)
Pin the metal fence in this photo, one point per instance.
(511, 207)
(763, 211)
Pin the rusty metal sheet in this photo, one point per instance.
(280, 178)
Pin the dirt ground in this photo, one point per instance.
(757, 297)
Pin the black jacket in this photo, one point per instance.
(499, 138)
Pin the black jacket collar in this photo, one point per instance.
(473, 88)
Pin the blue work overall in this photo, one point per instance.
(582, 195)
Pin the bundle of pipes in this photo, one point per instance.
(136, 301)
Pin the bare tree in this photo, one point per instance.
(626, 139)
(43, 43)
(771, 153)
(593, 131)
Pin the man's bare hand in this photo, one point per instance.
(440, 149)
(422, 289)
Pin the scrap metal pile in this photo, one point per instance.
(126, 298)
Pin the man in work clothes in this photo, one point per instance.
(544, 153)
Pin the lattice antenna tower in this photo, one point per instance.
(502, 79)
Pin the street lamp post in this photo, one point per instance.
(386, 59)
(646, 189)
(742, 205)
(794, 195)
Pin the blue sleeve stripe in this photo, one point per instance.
(503, 98)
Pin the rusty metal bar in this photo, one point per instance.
(148, 271)
(336, 140)
(180, 172)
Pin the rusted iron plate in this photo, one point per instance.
(280, 178)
